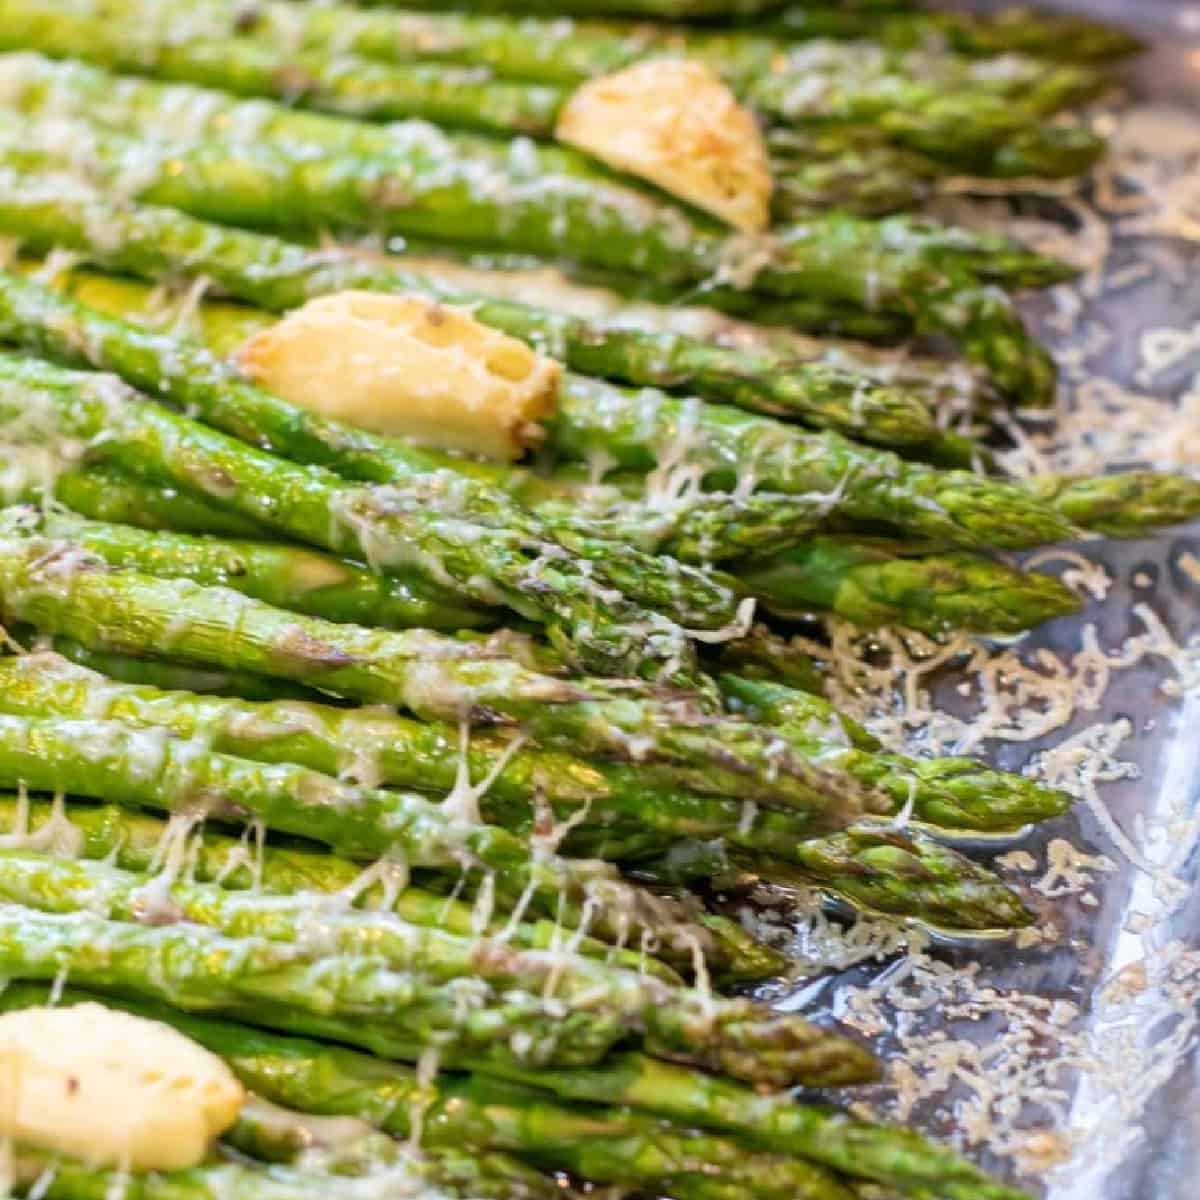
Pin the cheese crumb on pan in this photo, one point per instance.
(112, 1089)
(407, 366)
(675, 123)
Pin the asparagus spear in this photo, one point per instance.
(363, 1002)
(45, 212)
(629, 811)
(910, 104)
(139, 841)
(65, 1179)
(870, 584)
(537, 207)
(164, 673)
(529, 48)
(103, 493)
(189, 374)
(603, 1145)
(60, 591)
(561, 53)
(1066, 36)
(149, 768)
(647, 430)
(192, 967)
(935, 279)
(1126, 505)
(908, 95)
(602, 319)
(951, 793)
(285, 576)
(342, 83)
(266, 1132)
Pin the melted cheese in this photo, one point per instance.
(112, 1089)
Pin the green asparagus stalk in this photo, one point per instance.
(285, 576)
(342, 83)
(868, 583)
(1127, 505)
(628, 811)
(142, 842)
(793, 569)
(194, 968)
(163, 673)
(935, 280)
(102, 493)
(611, 332)
(268, 1133)
(953, 793)
(949, 106)
(149, 768)
(734, 1037)
(948, 793)
(567, 53)
(538, 208)
(649, 430)
(1069, 37)
(912, 98)
(59, 1178)
(213, 389)
(155, 242)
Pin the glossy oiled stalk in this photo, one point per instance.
(936, 279)
(58, 1178)
(107, 760)
(868, 582)
(636, 430)
(285, 986)
(549, 51)
(646, 430)
(635, 814)
(1130, 504)
(290, 44)
(950, 793)
(331, 1080)
(1068, 37)
(286, 576)
(136, 840)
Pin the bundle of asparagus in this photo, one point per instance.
(229, 559)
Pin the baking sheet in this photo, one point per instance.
(1076, 1060)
